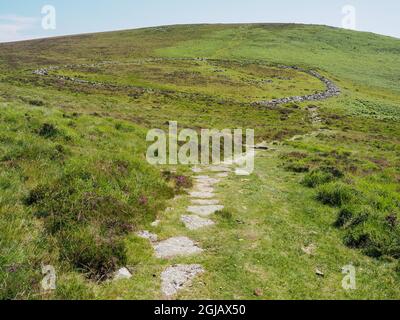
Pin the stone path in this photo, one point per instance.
(175, 247)
(204, 203)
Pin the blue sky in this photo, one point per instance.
(22, 19)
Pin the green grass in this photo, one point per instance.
(75, 185)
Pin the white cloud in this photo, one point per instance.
(13, 27)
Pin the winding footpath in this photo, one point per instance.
(204, 202)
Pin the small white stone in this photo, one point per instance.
(194, 222)
(147, 235)
(122, 274)
(156, 223)
(204, 210)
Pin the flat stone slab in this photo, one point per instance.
(174, 247)
(147, 235)
(204, 211)
(205, 202)
(206, 180)
(202, 195)
(223, 175)
(203, 188)
(177, 277)
(197, 170)
(194, 222)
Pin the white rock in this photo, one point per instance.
(122, 274)
(194, 222)
(201, 195)
(207, 180)
(147, 235)
(156, 223)
(177, 277)
(204, 202)
(174, 247)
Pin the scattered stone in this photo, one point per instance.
(203, 188)
(122, 274)
(258, 292)
(156, 223)
(201, 195)
(178, 277)
(173, 247)
(204, 210)
(205, 202)
(147, 235)
(206, 180)
(310, 250)
(194, 222)
(319, 273)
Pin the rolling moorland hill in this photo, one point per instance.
(75, 186)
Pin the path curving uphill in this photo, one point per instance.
(204, 200)
(332, 90)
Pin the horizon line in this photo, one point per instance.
(191, 24)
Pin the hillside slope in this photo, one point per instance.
(75, 185)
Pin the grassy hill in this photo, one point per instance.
(75, 184)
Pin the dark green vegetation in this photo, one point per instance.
(74, 183)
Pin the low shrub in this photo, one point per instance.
(316, 178)
(374, 236)
(90, 209)
(335, 194)
(92, 252)
(350, 216)
(48, 130)
(225, 214)
(36, 103)
(73, 287)
(297, 167)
